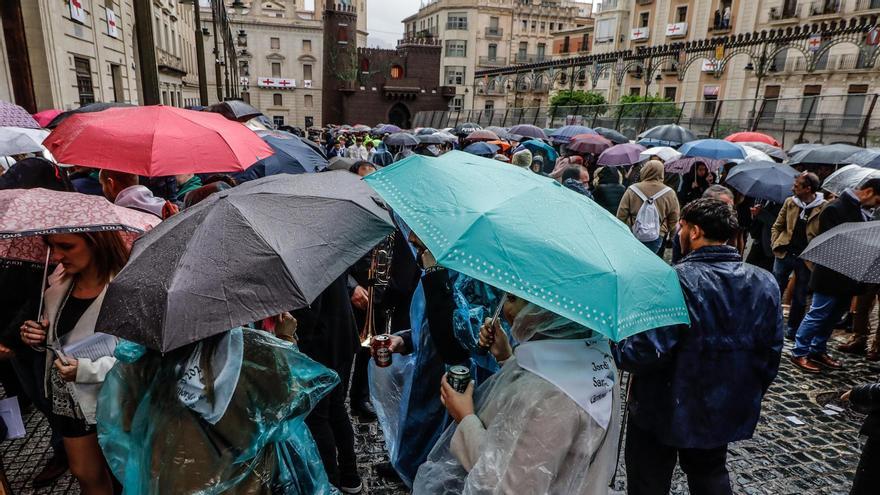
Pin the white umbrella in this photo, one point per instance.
(848, 176)
(17, 140)
(754, 155)
(665, 153)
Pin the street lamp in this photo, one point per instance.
(242, 37)
(237, 7)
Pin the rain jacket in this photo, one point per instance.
(651, 184)
(867, 397)
(140, 198)
(701, 386)
(191, 184)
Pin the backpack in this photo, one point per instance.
(646, 227)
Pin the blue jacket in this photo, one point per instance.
(701, 386)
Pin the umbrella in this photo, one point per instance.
(431, 139)
(401, 139)
(362, 128)
(774, 152)
(504, 145)
(851, 248)
(450, 138)
(259, 123)
(716, 149)
(832, 154)
(666, 135)
(867, 158)
(486, 219)
(197, 108)
(753, 155)
(588, 143)
(621, 155)
(43, 118)
(98, 106)
(763, 180)
(752, 137)
(481, 149)
(291, 156)
(802, 147)
(466, 128)
(340, 163)
(156, 141)
(566, 132)
(426, 130)
(846, 177)
(241, 255)
(528, 130)
(538, 146)
(236, 110)
(12, 115)
(387, 129)
(16, 140)
(684, 164)
(482, 135)
(664, 153)
(611, 135)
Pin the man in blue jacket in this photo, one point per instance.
(697, 388)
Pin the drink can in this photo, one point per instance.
(382, 350)
(458, 378)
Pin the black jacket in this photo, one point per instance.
(824, 280)
(867, 397)
(439, 309)
(326, 330)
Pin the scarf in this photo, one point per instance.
(820, 198)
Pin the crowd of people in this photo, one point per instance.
(262, 408)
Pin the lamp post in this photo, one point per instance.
(759, 73)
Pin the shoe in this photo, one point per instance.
(805, 364)
(826, 361)
(845, 323)
(387, 472)
(855, 345)
(873, 355)
(351, 483)
(55, 468)
(364, 410)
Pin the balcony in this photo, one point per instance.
(644, 2)
(492, 61)
(462, 26)
(541, 88)
(826, 7)
(607, 5)
(863, 5)
(851, 62)
(169, 63)
(787, 14)
(529, 58)
(494, 32)
(721, 27)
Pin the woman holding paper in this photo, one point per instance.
(90, 260)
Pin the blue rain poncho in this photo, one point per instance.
(164, 428)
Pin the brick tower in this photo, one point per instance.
(340, 58)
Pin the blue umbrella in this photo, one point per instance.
(763, 180)
(866, 158)
(666, 135)
(534, 145)
(388, 129)
(292, 156)
(482, 149)
(716, 149)
(565, 133)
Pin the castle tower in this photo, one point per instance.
(340, 58)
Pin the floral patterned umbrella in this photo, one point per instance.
(12, 115)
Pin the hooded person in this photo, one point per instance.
(537, 164)
(664, 200)
(608, 188)
(547, 422)
(124, 190)
(577, 179)
(522, 159)
(35, 172)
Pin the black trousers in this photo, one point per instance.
(330, 425)
(868, 473)
(360, 385)
(649, 466)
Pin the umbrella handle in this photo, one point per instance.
(43, 284)
(482, 351)
(622, 428)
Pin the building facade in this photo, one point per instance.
(484, 34)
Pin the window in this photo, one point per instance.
(246, 97)
(525, 25)
(542, 50)
(457, 103)
(276, 69)
(855, 104)
(278, 120)
(396, 72)
(669, 92)
(560, 26)
(275, 43)
(710, 100)
(493, 23)
(307, 71)
(158, 33)
(493, 51)
(490, 105)
(810, 100)
(543, 27)
(84, 80)
(456, 21)
(643, 19)
(307, 46)
(771, 95)
(635, 91)
(681, 13)
(565, 45)
(365, 65)
(165, 97)
(605, 29)
(454, 75)
(277, 100)
(308, 101)
(523, 49)
(116, 76)
(534, 26)
(173, 42)
(456, 48)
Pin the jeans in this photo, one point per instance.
(816, 327)
(649, 466)
(782, 269)
(654, 245)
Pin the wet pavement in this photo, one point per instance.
(785, 457)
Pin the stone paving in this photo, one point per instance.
(817, 457)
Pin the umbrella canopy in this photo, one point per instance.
(684, 164)
(426, 130)
(851, 248)
(387, 129)
(528, 130)
(621, 155)
(832, 154)
(12, 115)
(588, 143)
(431, 139)
(291, 156)
(866, 158)
(715, 149)
(241, 255)
(754, 155)
(236, 110)
(611, 135)
(763, 180)
(803, 147)
(98, 106)
(566, 132)
(752, 137)
(482, 135)
(481, 149)
(504, 145)
(664, 153)
(43, 118)
(846, 177)
(666, 135)
(466, 128)
(401, 139)
(340, 163)
(537, 146)
(361, 128)
(487, 220)
(156, 141)
(772, 151)
(16, 140)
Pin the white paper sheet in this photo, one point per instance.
(11, 415)
(92, 347)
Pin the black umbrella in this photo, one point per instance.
(401, 139)
(833, 154)
(340, 163)
(292, 156)
(666, 135)
(802, 147)
(866, 158)
(466, 128)
(98, 106)
(241, 255)
(611, 135)
(425, 131)
(528, 130)
(431, 139)
(852, 249)
(763, 180)
(235, 110)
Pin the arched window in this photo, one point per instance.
(342, 34)
(365, 64)
(396, 72)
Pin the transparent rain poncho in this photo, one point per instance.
(165, 429)
(530, 435)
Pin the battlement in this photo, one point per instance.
(341, 8)
(375, 52)
(427, 42)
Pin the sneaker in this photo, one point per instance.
(351, 484)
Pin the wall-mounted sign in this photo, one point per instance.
(677, 29)
(112, 24)
(641, 33)
(710, 65)
(276, 82)
(77, 11)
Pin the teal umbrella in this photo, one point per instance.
(528, 235)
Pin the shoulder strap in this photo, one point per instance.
(659, 193)
(638, 192)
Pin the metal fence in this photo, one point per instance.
(825, 119)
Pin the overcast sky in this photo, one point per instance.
(383, 20)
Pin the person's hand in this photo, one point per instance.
(360, 298)
(493, 337)
(845, 396)
(285, 327)
(427, 258)
(459, 405)
(6, 353)
(67, 371)
(33, 333)
(397, 345)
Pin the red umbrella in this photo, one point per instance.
(43, 118)
(752, 137)
(589, 143)
(156, 141)
(482, 135)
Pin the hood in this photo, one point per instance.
(142, 199)
(653, 170)
(522, 158)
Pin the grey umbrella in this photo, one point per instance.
(848, 176)
(431, 139)
(852, 249)
(763, 180)
(611, 135)
(340, 163)
(833, 154)
(867, 158)
(243, 254)
(401, 139)
(772, 151)
(235, 110)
